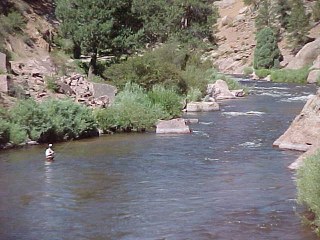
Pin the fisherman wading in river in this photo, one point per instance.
(49, 153)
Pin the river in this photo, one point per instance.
(223, 181)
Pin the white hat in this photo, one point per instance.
(50, 145)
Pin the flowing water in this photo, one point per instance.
(222, 181)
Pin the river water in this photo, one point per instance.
(223, 181)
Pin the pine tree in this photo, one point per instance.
(266, 16)
(282, 10)
(267, 54)
(97, 25)
(183, 19)
(298, 25)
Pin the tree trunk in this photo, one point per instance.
(93, 64)
(76, 51)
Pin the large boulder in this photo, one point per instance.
(103, 89)
(299, 162)
(177, 125)
(4, 83)
(202, 106)
(313, 76)
(226, 21)
(220, 90)
(304, 132)
(306, 56)
(3, 63)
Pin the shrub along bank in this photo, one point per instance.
(152, 87)
(308, 184)
(285, 75)
(51, 120)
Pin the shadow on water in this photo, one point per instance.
(222, 181)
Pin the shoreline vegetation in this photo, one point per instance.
(146, 95)
(308, 180)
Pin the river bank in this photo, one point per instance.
(153, 186)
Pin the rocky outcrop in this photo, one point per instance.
(220, 91)
(304, 132)
(4, 83)
(313, 76)
(172, 126)
(306, 56)
(299, 162)
(88, 93)
(202, 107)
(3, 63)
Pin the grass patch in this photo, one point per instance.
(262, 73)
(290, 75)
(308, 185)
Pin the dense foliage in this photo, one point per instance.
(267, 53)
(133, 109)
(265, 16)
(180, 19)
(117, 27)
(308, 179)
(52, 120)
(290, 75)
(168, 65)
(97, 25)
(298, 25)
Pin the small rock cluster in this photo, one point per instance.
(83, 91)
(31, 79)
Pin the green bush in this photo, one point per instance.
(308, 185)
(196, 78)
(132, 110)
(247, 71)
(51, 83)
(13, 22)
(4, 131)
(17, 134)
(31, 117)
(147, 70)
(67, 120)
(53, 120)
(194, 95)
(262, 73)
(290, 75)
(168, 99)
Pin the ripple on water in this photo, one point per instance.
(250, 113)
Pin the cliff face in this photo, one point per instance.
(236, 37)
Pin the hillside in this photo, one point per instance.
(236, 37)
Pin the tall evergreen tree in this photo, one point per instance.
(283, 9)
(163, 19)
(267, 54)
(264, 17)
(298, 25)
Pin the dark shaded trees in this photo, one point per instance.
(181, 19)
(298, 25)
(98, 25)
